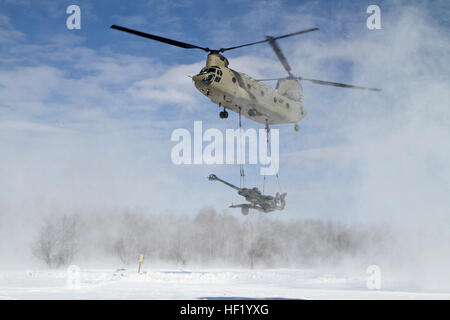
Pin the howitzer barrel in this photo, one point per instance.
(213, 177)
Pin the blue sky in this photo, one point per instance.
(86, 115)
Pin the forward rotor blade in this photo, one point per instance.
(274, 38)
(279, 54)
(160, 39)
(337, 84)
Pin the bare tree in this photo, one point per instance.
(56, 243)
(131, 237)
(123, 248)
(208, 238)
(259, 250)
(45, 246)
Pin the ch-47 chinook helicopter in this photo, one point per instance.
(237, 92)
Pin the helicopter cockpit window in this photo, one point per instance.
(210, 70)
(213, 69)
(208, 79)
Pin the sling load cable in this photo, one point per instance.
(267, 150)
(241, 165)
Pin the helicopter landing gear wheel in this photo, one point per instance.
(296, 127)
(223, 114)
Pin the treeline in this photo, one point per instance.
(206, 239)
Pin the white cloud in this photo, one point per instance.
(171, 86)
(8, 34)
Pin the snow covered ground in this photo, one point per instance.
(197, 284)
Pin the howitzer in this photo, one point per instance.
(256, 199)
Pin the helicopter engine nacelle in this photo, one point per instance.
(216, 59)
(290, 88)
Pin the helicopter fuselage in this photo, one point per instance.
(238, 92)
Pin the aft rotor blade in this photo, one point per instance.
(279, 54)
(158, 38)
(321, 82)
(273, 79)
(337, 84)
(273, 38)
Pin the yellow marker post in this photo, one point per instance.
(141, 259)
